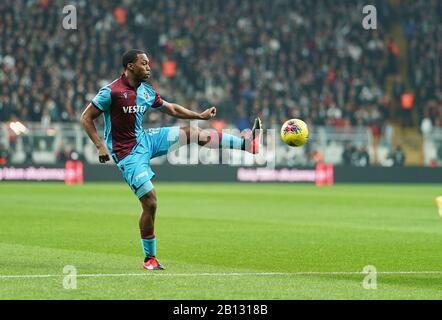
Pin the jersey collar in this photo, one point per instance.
(126, 82)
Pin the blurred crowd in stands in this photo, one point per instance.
(360, 157)
(422, 27)
(279, 59)
(282, 58)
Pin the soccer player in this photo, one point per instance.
(123, 103)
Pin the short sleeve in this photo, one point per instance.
(103, 99)
(158, 102)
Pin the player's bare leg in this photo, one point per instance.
(217, 140)
(147, 221)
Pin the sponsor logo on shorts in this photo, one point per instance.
(142, 174)
(152, 131)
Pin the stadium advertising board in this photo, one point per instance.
(71, 173)
(32, 174)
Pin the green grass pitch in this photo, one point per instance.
(222, 241)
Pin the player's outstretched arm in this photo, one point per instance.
(87, 121)
(177, 111)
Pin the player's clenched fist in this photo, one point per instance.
(208, 113)
(103, 154)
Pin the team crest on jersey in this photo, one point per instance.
(146, 95)
(124, 95)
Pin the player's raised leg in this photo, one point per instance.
(222, 140)
(147, 221)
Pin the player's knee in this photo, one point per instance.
(152, 205)
(204, 137)
(193, 134)
(185, 133)
(149, 202)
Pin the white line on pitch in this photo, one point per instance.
(232, 274)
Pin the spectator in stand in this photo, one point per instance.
(393, 54)
(439, 156)
(426, 126)
(347, 154)
(398, 157)
(4, 155)
(407, 105)
(364, 157)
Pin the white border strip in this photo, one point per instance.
(232, 274)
